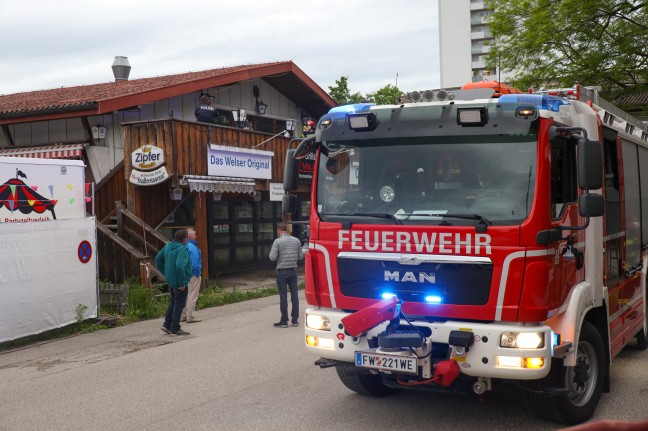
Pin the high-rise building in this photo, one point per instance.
(464, 39)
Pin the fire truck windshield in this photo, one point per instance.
(460, 180)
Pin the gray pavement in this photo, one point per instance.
(251, 280)
(236, 372)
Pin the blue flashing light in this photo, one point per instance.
(344, 110)
(352, 109)
(388, 295)
(433, 299)
(542, 101)
(556, 339)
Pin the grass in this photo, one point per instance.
(143, 304)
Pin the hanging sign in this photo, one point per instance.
(306, 167)
(239, 162)
(147, 158)
(150, 178)
(277, 192)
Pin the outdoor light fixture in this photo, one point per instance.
(260, 106)
(240, 117)
(291, 124)
(98, 131)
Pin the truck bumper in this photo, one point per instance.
(484, 358)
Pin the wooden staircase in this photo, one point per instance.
(127, 248)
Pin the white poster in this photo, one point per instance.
(276, 192)
(42, 190)
(239, 162)
(48, 277)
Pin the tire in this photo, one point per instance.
(584, 382)
(642, 340)
(364, 384)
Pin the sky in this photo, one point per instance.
(48, 44)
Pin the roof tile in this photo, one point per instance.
(82, 95)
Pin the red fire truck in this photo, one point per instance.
(467, 242)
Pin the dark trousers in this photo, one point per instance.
(174, 310)
(285, 278)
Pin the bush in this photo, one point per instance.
(142, 304)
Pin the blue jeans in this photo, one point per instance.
(285, 278)
(174, 310)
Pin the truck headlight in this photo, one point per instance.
(315, 321)
(522, 340)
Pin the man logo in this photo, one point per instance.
(410, 276)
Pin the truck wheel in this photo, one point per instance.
(364, 384)
(584, 383)
(642, 340)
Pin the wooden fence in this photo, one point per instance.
(114, 296)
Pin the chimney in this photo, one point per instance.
(121, 68)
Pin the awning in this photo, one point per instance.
(59, 151)
(200, 183)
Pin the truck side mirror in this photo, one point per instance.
(288, 205)
(591, 205)
(590, 164)
(290, 172)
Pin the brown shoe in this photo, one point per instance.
(194, 320)
(165, 330)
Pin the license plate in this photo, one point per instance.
(402, 364)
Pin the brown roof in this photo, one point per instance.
(632, 99)
(111, 96)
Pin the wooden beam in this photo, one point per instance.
(88, 129)
(202, 229)
(7, 135)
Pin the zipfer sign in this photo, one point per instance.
(415, 242)
(148, 166)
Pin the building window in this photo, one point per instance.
(241, 234)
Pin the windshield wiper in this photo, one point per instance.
(483, 220)
(379, 215)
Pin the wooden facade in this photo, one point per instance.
(110, 190)
(185, 145)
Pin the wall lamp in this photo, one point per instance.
(260, 106)
(98, 131)
(291, 125)
(240, 117)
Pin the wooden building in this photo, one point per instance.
(139, 205)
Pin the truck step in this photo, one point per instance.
(325, 363)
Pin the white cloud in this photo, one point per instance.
(73, 42)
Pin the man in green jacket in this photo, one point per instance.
(173, 261)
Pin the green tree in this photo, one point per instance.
(388, 95)
(561, 42)
(341, 94)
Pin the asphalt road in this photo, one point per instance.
(237, 372)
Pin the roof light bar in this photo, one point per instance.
(541, 101)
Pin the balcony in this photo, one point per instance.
(484, 49)
(478, 64)
(478, 35)
(477, 5)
